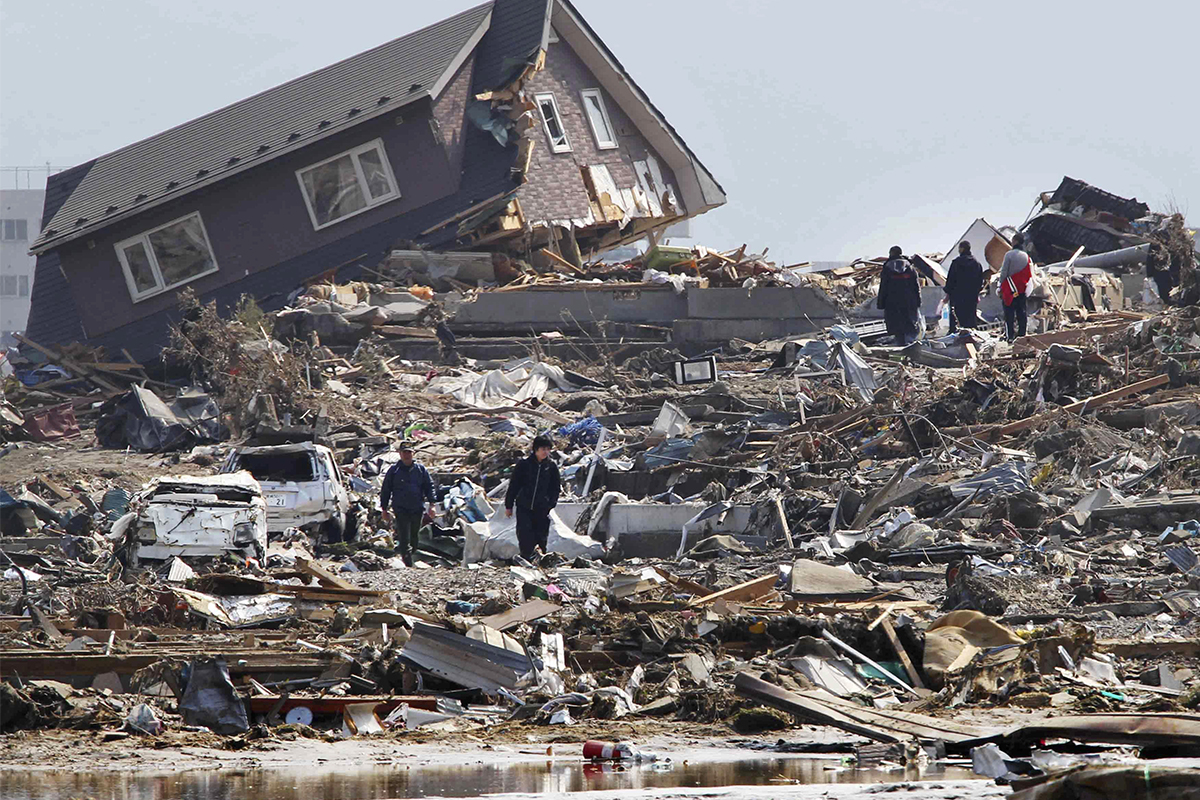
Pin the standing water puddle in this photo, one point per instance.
(463, 781)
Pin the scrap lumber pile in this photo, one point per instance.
(854, 535)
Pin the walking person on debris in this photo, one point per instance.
(407, 488)
(533, 492)
(1015, 273)
(900, 297)
(964, 282)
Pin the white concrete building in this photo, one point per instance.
(20, 221)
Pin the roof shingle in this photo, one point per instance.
(253, 130)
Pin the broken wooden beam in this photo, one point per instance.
(748, 590)
(562, 262)
(890, 632)
(1079, 407)
(323, 575)
(783, 521)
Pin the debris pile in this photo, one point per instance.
(856, 535)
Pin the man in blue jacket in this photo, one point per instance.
(407, 487)
(533, 490)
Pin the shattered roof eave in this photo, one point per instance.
(475, 23)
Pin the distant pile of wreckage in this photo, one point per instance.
(858, 535)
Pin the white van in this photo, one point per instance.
(302, 485)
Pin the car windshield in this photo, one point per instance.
(279, 467)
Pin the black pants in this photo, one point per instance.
(408, 525)
(1015, 319)
(962, 315)
(533, 529)
(1164, 284)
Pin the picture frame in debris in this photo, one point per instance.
(695, 370)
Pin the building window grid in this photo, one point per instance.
(363, 182)
(552, 123)
(15, 230)
(596, 113)
(142, 257)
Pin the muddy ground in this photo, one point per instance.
(55, 761)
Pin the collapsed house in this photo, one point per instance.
(510, 126)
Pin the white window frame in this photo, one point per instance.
(160, 286)
(565, 147)
(601, 145)
(354, 152)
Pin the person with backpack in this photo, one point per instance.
(964, 282)
(533, 491)
(407, 487)
(900, 298)
(1015, 274)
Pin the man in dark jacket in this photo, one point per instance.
(900, 297)
(533, 491)
(964, 282)
(407, 487)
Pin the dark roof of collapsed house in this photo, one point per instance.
(512, 32)
(517, 30)
(322, 103)
(258, 129)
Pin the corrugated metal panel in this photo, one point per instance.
(268, 119)
(464, 661)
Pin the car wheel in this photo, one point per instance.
(334, 528)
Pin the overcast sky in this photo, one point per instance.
(837, 129)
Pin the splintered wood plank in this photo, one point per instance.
(323, 575)
(748, 590)
(913, 676)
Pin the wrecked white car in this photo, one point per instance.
(194, 516)
(302, 485)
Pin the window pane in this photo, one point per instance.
(333, 190)
(139, 267)
(181, 251)
(10, 229)
(23, 282)
(22, 230)
(378, 182)
(596, 114)
(8, 287)
(557, 137)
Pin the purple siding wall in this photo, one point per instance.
(259, 219)
(450, 112)
(555, 189)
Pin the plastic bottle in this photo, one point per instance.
(597, 750)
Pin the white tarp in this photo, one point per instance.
(497, 538)
(503, 387)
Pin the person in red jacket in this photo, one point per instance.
(1015, 273)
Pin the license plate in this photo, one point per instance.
(277, 500)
